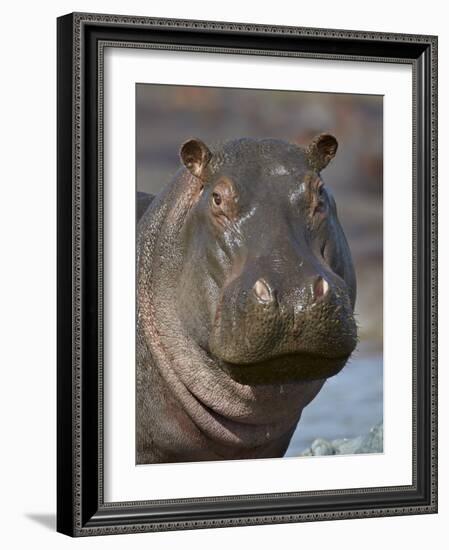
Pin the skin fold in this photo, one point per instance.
(246, 292)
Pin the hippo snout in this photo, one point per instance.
(266, 293)
(309, 320)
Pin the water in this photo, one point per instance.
(349, 404)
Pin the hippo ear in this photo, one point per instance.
(195, 156)
(321, 151)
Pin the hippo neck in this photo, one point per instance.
(222, 409)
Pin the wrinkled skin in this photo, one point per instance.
(246, 292)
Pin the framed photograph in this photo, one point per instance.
(247, 277)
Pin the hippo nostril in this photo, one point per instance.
(262, 291)
(320, 288)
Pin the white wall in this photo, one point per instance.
(27, 272)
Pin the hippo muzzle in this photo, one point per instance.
(291, 327)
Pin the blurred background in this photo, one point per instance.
(351, 402)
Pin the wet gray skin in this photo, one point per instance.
(246, 292)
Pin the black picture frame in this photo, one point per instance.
(81, 509)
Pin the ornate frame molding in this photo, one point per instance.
(81, 510)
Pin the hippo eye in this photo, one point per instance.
(323, 250)
(223, 201)
(216, 199)
(320, 190)
(320, 204)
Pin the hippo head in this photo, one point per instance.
(267, 288)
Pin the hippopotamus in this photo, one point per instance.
(245, 300)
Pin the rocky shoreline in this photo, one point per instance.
(372, 442)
